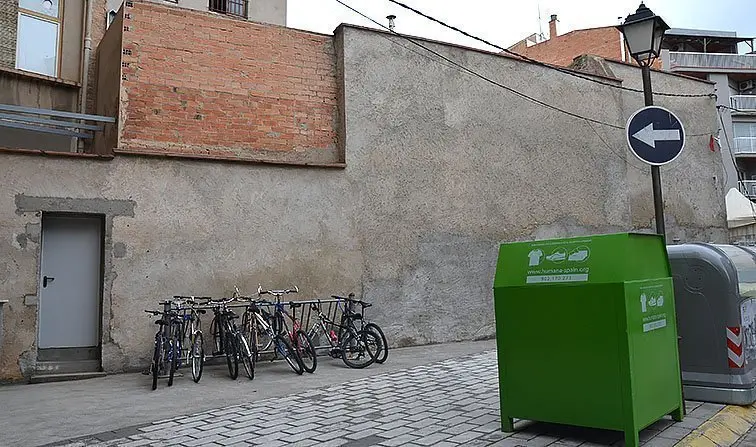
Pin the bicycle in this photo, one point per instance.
(229, 341)
(192, 332)
(255, 321)
(166, 354)
(298, 338)
(383, 351)
(364, 344)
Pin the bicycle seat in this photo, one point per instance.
(294, 304)
(160, 322)
(338, 297)
(353, 316)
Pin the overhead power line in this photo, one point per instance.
(542, 64)
(478, 75)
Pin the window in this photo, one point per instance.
(745, 136)
(38, 36)
(231, 7)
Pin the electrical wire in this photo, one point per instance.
(543, 64)
(478, 75)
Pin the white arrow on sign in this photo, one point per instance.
(650, 136)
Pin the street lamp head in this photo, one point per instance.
(643, 31)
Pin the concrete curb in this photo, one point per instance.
(723, 429)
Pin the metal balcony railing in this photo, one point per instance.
(743, 103)
(712, 61)
(744, 145)
(230, 7)
(748, 188)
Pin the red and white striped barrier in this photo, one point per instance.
(734, 347)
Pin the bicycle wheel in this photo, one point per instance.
(289, 354)
(157, 360)
(359, 349)
(232, 359)
(173, 355)
(383, 352)
(197, 356)
(306, 351)
(217, 337)
(246, 355)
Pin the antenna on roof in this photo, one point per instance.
(540, 27)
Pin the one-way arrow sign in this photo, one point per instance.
(655, 135)
(650, 136)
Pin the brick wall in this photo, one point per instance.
(561, 50)
(8, 29)
(197, 84)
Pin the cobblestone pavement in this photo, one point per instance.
(448, 403)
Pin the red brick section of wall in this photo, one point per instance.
(561, 50)
(203, 85)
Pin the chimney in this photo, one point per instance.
(552, 26)
(391, 21)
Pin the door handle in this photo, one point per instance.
(47, 279)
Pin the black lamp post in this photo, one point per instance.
(643, 33)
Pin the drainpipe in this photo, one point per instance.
(85, 65)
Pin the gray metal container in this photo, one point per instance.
(715, 299)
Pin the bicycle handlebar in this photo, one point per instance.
(260, 291)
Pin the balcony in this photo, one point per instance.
(748, 188)
(712, 62)
(744, 146)
(743, 103)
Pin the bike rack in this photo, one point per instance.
(332, 308)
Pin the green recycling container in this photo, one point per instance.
(586, 333)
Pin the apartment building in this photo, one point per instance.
(715, 56)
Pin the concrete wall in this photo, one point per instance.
(441, 168)
(109, 54)
(71, 45)
(450, 165)
(20, 88)
(265, 11)
(268, 11)
(723, 98)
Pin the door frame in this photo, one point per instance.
(73, 354)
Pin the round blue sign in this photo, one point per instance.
(655, 135)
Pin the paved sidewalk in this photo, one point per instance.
(449, 403)
(43, 413)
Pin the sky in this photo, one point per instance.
(504, 22)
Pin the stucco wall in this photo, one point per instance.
(450, 165)
(109, 53)
(441, 168)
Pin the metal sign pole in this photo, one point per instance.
(655, 173)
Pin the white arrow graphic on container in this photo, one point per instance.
(650, 136)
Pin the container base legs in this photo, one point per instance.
(632, 438)
(507, 424)
(678, 414)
